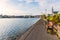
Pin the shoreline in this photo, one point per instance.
(37, 32)
(24, 35)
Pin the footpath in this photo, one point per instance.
(38, 32)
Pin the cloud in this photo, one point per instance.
(7, 9)
(28, 1)
(20, 9)
(56, 6)
(42, 2)
(23, 7)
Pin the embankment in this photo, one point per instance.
(23, 37)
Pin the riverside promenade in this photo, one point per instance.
(38, 32)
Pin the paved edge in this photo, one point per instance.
(23, 37)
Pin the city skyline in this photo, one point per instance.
(28, 7)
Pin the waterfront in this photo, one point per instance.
(38, 32)
(10, 27)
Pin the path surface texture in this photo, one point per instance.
(38, 32)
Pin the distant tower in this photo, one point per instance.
(52, 10)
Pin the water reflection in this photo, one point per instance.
(14, 27)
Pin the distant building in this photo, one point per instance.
(0, 16)
(54, 12)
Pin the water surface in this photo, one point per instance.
(10, 27)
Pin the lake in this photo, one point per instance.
(10, 27)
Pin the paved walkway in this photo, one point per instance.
(38, 32)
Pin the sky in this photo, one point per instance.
(28, 7)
